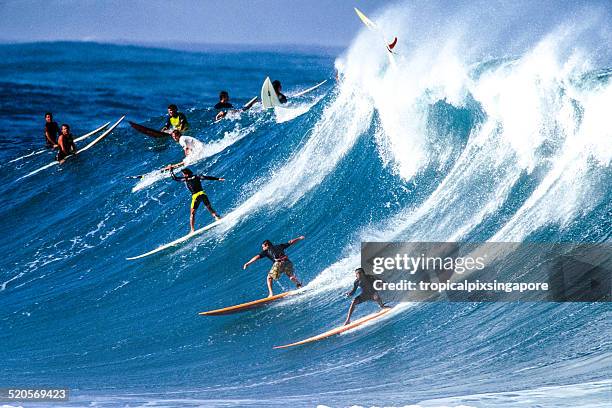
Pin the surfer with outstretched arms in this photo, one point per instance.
(194, 184)
(51, 131)
(66, 145)
(281, 263)
(176, 120)
(278, 88)
(366, 283)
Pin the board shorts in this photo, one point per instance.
(364, 297)
(200, 197)
(278, 268)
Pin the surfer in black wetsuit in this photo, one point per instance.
(366, 283)
(176, 120)
(223, 104)
(278, 88)
(197, 193)
(65, 142)
(51, 131)
(281, 263)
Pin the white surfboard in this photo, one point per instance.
(178, 241)
(268, 95)
(389, 45)
(308, 90)
(85, 136)
(89, 146)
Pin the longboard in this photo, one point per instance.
(177, 241)
(78, 139)
(249, 305)
(89, 146)
(308, 90)
(269, 99)
(372, 26)
(148, 131)
(340, 329)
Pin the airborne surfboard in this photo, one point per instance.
(389, 45)
(89, 146)
(269, 99)
(177, 241)
(340, 329)
(148, 131)
(308, 90)
(249, 305)
(78, 139)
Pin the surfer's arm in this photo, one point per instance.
(50, 140)
(294, 240)
(253, 259)
(202, 177)
(355, 286)
(174, 177)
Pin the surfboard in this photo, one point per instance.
(308, 90)
(78, 139)
(250, 103)
(249, 305)
(268, 95)
(89, 146)
(148, 131)
(177, 241)
(389, 45)
(340, 329)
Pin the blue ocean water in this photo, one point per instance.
(512, 148)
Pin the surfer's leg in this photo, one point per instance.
(376, 297)
(192, 219)
(288, 269)
(350, 312)
(269, 282)
(211, 210)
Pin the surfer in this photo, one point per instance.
(51, 131)
(66, 144)
(278, 88)
(192, 147)
(281, 263)
(223, 103)
(366, 283)
(194, 184)
(176, 120)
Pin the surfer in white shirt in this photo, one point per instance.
(192, 148)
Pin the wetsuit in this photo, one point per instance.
(281, 98)
(51, 129)
(281, 263)
(179, 122)
(224, 105)
(195, 186)
(366, 283)
(68, 142)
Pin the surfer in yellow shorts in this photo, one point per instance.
(197, 193)
(281, 263)
(366, 283)
(176, 120)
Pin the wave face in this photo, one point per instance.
(477, 134)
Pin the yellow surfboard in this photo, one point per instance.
(249, 305)
(340, 329)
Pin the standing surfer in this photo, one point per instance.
(194, 184)
(366, 283)
(281, 263)
(176, 120)
(51, 131)
(278, 88)
(66, 144)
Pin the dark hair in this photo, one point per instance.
(173, 107)
(176, 131)
(67, 126)
(360, 270)
(267, 242)
(276, 84)
(48, 114)
(187, 171)
(223, 94)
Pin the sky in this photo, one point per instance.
(241, 22)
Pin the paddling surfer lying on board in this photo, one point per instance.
(65, 141)
(366, 283)
(194, 184)
(281, 263)
(51, 131)
(176, 120)
(225, 106)
(192, 148)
